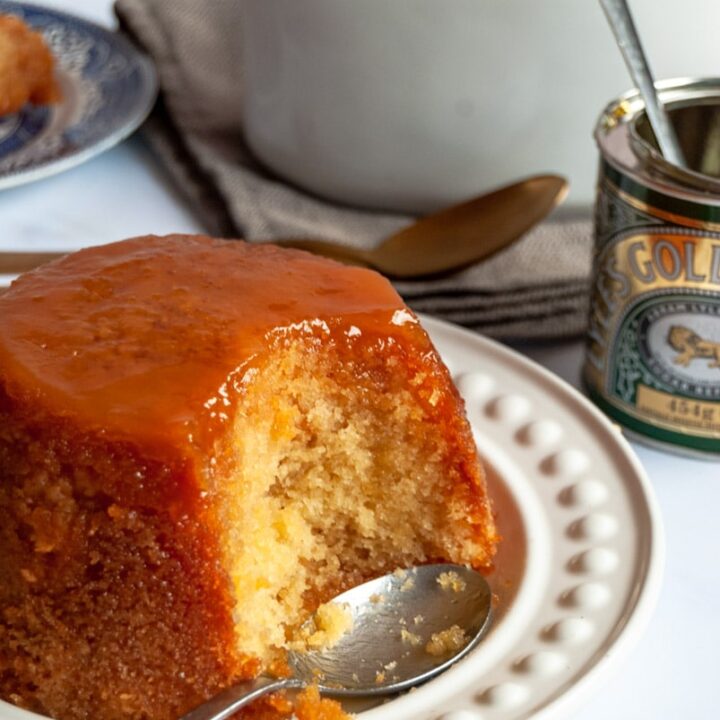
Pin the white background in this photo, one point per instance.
(672, 674)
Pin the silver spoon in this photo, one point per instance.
(623, 27)
(375, 657)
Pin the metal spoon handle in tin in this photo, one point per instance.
(406, 628)
(623, 27)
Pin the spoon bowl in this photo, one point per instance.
(407, 628)
(376, 657)
(457, 236)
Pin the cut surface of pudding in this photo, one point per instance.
(201, 441)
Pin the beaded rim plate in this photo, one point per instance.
(108, 88)
(579, 570)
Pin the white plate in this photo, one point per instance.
(580, 565)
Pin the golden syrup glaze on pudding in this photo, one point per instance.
(146, 339)
(200, 442)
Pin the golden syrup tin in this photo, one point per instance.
(653, 349)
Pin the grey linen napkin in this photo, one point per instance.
(538, 288)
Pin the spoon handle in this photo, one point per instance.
(229, 701)
(12, 263)
(623, 27)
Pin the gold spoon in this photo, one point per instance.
(448, 240)
(457, 236)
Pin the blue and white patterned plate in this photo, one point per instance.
(108, 89)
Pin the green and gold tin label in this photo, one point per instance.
(653, 353)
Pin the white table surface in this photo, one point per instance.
(672, 674)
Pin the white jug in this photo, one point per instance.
(414, 104)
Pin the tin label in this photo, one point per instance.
(653, 355)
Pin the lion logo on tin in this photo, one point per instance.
(692, 347)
